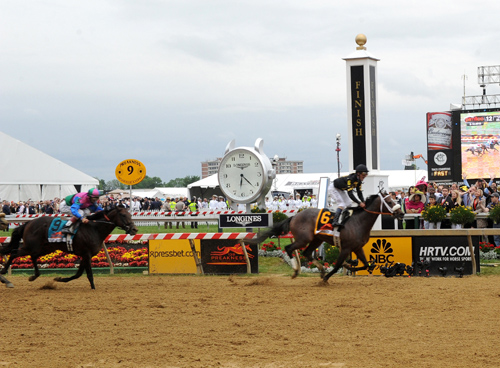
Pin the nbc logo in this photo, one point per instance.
(381, 252)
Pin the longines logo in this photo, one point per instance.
(382, 252)
(245, 220)
(242, 166)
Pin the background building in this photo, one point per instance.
(283, 166)
(289, 167)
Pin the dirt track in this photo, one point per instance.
(258, 321)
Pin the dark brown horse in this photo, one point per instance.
(353, 235)
(86, 243)
(3, 226)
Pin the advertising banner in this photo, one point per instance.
(227, 257)
(245, 220)
(439, 146)
(450, 252)
(480, 141)
(172, 256)
(387, 251)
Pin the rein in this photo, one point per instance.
(383, 202)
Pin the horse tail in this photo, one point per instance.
(280, 228)
(15, 239)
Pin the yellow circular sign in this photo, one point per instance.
(130, 172)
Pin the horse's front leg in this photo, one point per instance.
(90, 274)
(344, 253)
(7, 283)
(361, 256)
(78, 273)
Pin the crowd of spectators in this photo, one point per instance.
(480, 197)
(297, 202)
(107, 202)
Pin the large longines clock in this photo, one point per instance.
(245, 174)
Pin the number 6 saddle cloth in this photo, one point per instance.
(324, 222)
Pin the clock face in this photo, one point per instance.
(241, 176)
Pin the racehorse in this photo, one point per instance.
(353, 235)
(3, 226)
(86, 243)
(474, 150)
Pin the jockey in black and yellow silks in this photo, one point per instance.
(343, 189)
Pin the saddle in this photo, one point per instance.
(55, 235)
(324, 222)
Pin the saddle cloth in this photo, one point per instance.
(323, 222)
(55, 228)
(55, 235)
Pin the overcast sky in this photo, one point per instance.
(170, 83)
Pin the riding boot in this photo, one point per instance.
(335, 221)
(69, 228)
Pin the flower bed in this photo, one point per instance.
(120, 256)
(488, 251)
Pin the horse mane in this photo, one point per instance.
(370, 199)
(99, 215)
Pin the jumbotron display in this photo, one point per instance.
(480, 144)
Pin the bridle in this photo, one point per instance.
(384, 203)
(125, 227)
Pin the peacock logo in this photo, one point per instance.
(381, 252)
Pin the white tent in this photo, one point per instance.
(27, 173)
(172, 192)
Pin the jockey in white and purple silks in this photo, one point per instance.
(79, 205)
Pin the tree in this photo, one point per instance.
(149, 183)
(114, 184)
(182, 182)
(102, 184)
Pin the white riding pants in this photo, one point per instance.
(341, 197)
(66, 210)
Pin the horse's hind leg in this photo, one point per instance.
(290, 249)
(308, 254)
(35, 266)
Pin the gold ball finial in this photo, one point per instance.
(361, 41)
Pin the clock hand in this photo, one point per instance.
(247, 180)
(241, 180)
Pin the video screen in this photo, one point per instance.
(480, 137)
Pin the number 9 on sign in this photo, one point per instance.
(130, 172)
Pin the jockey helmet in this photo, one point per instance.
(94, 192)
(361, 168)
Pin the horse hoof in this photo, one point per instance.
(57, 279)
(32, 278)
(9, 285)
